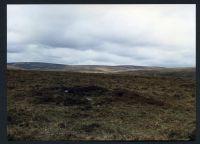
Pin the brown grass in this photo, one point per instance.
(99, 106)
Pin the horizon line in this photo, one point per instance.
(108, 65)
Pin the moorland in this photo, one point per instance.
(156, 104)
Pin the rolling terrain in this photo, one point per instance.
(154, 104)
(76, 68)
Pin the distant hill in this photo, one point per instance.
(77, 68)
(35, 66)
(165, 72)
(120, 69)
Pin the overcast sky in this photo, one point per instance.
(149, 35)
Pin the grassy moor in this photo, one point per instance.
(136, 105)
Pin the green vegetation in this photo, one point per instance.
(53, 105)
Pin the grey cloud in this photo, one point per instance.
(160, 35)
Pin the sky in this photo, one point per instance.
(132, 34)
